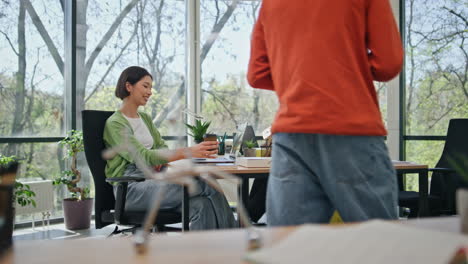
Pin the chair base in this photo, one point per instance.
(118, 231)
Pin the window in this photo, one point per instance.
(227, 99)
(436, 65)
(150, 34)
(31, 72)
(32, 87)
(40, 161)
(436, 75)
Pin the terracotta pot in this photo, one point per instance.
(77, 213)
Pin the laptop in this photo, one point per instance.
(231, 157)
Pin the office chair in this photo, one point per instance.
(446, 177)
(109, 209)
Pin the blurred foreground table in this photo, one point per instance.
(225, 246)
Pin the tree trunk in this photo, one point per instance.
(81, 45)
(256, 110)
(17, 128)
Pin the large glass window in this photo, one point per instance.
(32, 87)
(39, 161)
(436, 75)
(436, 65)
(31, 70)
(120, 34)
(227, 99)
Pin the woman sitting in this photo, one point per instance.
(208, 208)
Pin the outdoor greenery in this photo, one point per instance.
(436, 73)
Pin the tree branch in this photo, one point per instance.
(112, 64)
(118, 20)
(45, 35)
(457, 15)
(9, 42)
(222, 104)
(205, 50)
(217, 29)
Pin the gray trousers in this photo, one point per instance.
(314, 174)
(209, 209)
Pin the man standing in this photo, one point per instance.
(321, 58)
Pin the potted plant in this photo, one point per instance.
(198, 130)
(22, 193)
(77, 209)
(8, 168)
(249, 150)
(11, 191)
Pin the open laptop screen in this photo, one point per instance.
(236, 144)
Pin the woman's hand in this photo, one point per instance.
(206, 149)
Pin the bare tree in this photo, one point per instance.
(84, 64)
(215, 31)
(438, 61)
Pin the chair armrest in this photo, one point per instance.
(124, 179)
(442, 170)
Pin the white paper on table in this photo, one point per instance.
(371, 242)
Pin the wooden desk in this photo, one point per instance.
(404, 167)
(401, 167)
(225, 246)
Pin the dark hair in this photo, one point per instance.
(132, 75)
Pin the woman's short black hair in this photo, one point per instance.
(132, 75)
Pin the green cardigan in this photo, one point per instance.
(115, 126)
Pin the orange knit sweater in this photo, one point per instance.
(321, 57)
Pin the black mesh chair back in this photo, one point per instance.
(454, 156)
(105, 202)
(93, 129)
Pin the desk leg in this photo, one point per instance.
(423, 193)
(185, 210)
(243, 194)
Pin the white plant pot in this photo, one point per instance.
(462, 209)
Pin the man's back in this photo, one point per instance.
(315, 55)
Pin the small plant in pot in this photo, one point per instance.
(22, 193)
(249, 149)
(198, 130)
(11, 192)
(77, 209)
(8, 169)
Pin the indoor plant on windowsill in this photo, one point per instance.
(77, 209)
(198, 130)
(12, 192)
(22, 193)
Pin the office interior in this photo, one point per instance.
(59, 58)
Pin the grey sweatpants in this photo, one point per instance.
(209, 209)
(314, 174)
